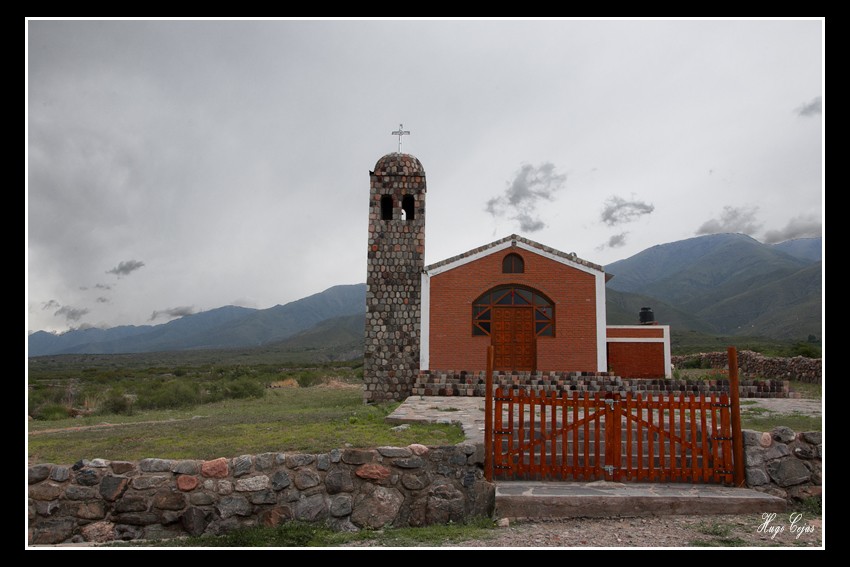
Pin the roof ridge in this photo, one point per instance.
(571, 256)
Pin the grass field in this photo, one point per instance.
(314, 419)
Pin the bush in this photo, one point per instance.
(244, 388)
(175, 394)
(51, 412)
(806, 349)
(307, 378)
(116, 402)
(695, 362)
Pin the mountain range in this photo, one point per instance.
(720, 284)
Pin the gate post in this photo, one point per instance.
(737, 438)
(488, 417)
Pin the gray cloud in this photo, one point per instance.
(529, 224)
(71, 313)
(815, 106)
(103, 286)
(125, 268)
(733, 219)
(617, 240)
(52, 304)
(172, 312)
(617, 210)
(102, 300)
(803, 226)
(530, 185)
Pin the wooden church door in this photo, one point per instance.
(513, 338)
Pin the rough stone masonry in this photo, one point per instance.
(348, 489)
(395, 261)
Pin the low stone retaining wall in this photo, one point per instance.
(451, 383)
(350, 489)
(784, 463)
(751, 363)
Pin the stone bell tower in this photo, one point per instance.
(394, 266)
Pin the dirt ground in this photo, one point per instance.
(658, 532)
(782, 530)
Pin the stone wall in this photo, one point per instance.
(784, 463)
(350, 489)
(755, 364)
(451, 383)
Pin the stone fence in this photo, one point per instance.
(349, 489)
(784, 463)
(755, 364)
(452, 383)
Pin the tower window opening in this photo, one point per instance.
(408, 205)
(386, 207)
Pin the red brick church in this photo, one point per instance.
(541, 309)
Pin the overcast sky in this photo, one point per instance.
(180, 166)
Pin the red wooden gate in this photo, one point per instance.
(586, 436)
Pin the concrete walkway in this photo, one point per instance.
(545, 499)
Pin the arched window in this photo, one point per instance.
(386, 207)
(513, 296)
(408, 205)
(513, 264)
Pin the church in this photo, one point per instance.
(542, 310)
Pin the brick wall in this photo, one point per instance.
(636, 360)
(572, 291)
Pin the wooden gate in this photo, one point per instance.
(532, 435)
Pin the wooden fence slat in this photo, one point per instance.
(597, 445)
(564, 433)
(726, 424)
(576, 445)
(716, 434)
(706, 461)
(626, 427)
(694, 475)
(641, 471)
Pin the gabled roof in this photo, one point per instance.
(517, 241)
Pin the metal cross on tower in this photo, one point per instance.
(401, 132)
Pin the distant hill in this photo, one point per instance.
(721, 284)
(727, 284)
(225, 327)
(810, 249)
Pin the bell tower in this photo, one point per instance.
(394, 264)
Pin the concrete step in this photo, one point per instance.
(601, 499)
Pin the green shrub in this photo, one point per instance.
(51, 412)
(116, 402)
(307, 378)
(691, 363)
(244, 388)
(174, 394)
(806, 349)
